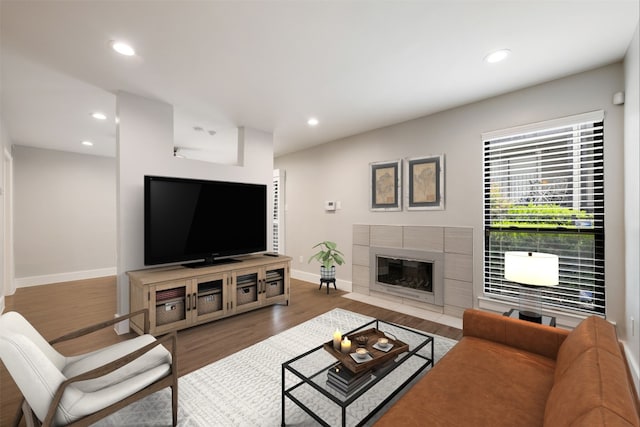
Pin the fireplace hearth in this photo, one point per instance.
(408, 273)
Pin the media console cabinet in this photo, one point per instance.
(179, 297)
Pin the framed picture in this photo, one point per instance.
(424, 186)
(385, 182)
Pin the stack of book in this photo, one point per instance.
(345, 381)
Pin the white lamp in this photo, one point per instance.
(532, 270)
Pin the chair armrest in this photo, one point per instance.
(93, 328)
(110, 367)
(532, 337)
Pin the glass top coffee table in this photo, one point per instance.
(331, 394)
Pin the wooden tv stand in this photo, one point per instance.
(179, 297)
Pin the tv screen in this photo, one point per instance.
(190, 220)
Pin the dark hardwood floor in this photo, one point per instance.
(60, 308)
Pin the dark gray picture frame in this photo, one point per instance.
(386, 185)
(424, 183)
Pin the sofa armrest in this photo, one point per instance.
(528, 336)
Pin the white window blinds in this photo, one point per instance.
(277, 242)
(544, 192)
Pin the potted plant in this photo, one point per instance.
(328, 256)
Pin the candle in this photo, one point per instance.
(345, 345)
(337, 338)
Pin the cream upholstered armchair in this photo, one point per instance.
(79, 390)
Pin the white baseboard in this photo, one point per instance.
(121, 328)
(633, 367)
(25, 282)
(343, 285)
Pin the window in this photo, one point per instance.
(544, 192)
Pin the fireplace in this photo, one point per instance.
(407, 273)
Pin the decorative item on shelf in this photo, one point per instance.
(361, 352)
(345, 345)
(362, 340)
(345, 381)
(532, 271)
(337, 339)
(375, 354)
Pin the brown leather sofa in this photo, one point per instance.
(508, 372)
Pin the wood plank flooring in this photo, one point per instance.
(60, 308)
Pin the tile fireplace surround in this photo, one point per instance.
(454, 244)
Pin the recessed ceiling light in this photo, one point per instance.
(497, 56)
(123, 48)
(312, 121)
(87, 143)
(98, 115)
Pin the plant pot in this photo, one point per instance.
(327, 273)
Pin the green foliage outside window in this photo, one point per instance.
(505, 213)
(542, 216)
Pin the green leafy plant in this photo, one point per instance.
(541, 216)
(328, 255)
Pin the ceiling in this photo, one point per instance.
(270, 65)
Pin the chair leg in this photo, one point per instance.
(29, 417)
(18, 416)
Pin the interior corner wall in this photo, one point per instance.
(145, 147)
(631, 334)
(339, 171)
(5, 144)
(64, 215)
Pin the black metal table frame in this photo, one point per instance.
(287, 392)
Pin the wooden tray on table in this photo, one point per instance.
(378, 357)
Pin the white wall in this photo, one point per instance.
(340, 171)
(632, 204)
(64, 215)
(145, 147)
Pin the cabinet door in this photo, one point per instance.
(247, 284)
(168, 304)
(209, 297)
(275, 284)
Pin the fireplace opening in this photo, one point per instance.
(405, 273)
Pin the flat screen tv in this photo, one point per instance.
(207, 221)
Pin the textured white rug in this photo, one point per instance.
(244, 389)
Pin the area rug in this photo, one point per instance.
(244, 389)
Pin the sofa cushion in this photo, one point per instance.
(601, 417)
(527, 336)
(478, 383)
(591, 381)
(595, 385)
(591, 332)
